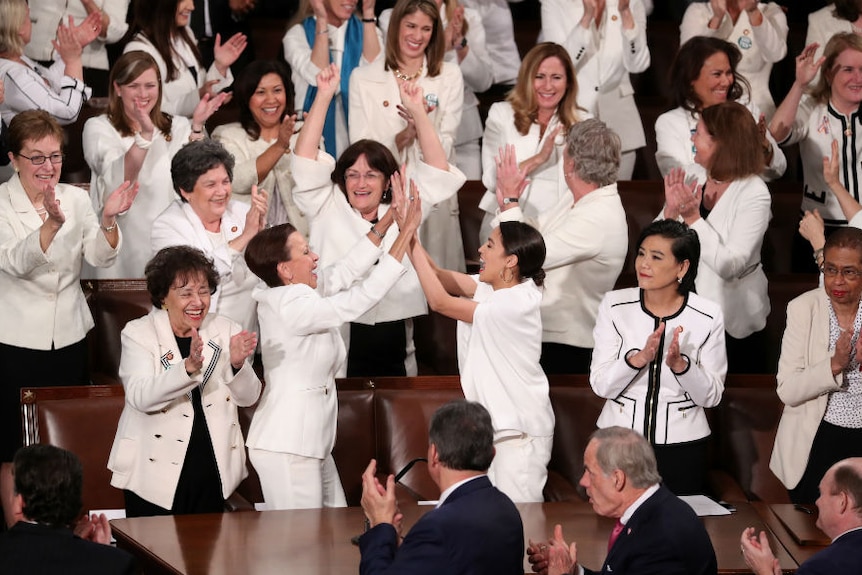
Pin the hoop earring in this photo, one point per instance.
(510, 279)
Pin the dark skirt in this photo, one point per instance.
(682, 466)
(831, 444)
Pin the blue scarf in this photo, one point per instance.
(349, 61)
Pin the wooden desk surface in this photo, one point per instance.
(318, 540)
(800, 553)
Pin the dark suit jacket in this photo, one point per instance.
(41, 550)
(476, 531)
(843, 556)
(663, 537)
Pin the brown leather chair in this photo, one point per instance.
(82, 419)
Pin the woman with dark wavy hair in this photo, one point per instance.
(659, 357)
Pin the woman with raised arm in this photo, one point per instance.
(135, 141)
(324, 32)
(293, 431)
(342, 199)
(161, 29)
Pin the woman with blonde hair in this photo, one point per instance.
(538, 111)
(135, 141)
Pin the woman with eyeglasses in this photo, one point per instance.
(819, 377)
(46, 230)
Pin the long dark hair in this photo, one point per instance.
(688, 63)
(246, 85)
(525, 242)
(156, 20)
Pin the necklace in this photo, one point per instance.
(402, 76)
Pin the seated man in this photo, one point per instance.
(47, 501)
(475, 528)
(840, 517)
(656, 532)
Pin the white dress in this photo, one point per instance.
(105, 151)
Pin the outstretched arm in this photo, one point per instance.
(312, 129)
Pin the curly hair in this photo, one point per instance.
(177, 265)
(49, 480)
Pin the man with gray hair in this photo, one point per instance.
(656, 532)
(586, 236)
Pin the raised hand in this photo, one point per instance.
(511, 179)
(327, 80)
(120, 200)
(758, 554)
(378, 502)
(104, 19)
(412, 98)
(813, 229)
(674, 360)
(195, 361)
(719, 8)
(548, 145)
(806, 65)
(209, 105)
(66, 45)
(52, 207)
(207, 89)
(255, 219)
(841, 356)
(399, 196)
(831, 166)
(368, 8)
(89, 28)
(562, 557)
(227, 53)
(681, 199)
(242, 345)
(318, 8)
(285, 131)
(650, 349)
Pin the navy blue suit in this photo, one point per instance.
(663, 537)
(476, 531)
(42, 550)
(843, 556)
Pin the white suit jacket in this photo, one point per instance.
(603, 60)
(180, 96)
(41, 301)
(179, 225)
(586, 244)
(35, 87)
(499, 38)
(303, 351)
(804, 383)
(156, 424)
(822, 25)
(761, 46)
(105, 151)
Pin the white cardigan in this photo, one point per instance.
(303, 351)
(42, 302)
(156, 424)
(603, 60)
(624, 325)
(105, 151)
(760, 46)
(179, 225)
(180, 96)
(586, 244)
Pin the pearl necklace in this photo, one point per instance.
(402, 76)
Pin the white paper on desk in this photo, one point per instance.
(110, 514)
(704, 506)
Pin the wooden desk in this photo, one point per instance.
(318, 540)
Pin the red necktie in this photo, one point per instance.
(618, 528)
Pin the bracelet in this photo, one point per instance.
(818, 253)
(142, 142)
(376, 233)
(198, 131)
(322, 32)
(369, 20)
(109, 229)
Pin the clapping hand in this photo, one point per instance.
(813, 229)
(195, 360)
(675, 360)
(285, 131)
(758, 554)
(226, 54)
(66, 45)
(255, 219)
(209, 105)
(89, 28)
(51, 204)
(120, 200)
(681, 199)
(648, 354)
(94, 528)
(242, 345)
(378, 502)
(511, 179)
(562, 557)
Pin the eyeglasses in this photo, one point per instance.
(849, 274)
(369, 176)
(39, 159)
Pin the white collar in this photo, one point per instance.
(454, 486)
(638, 502)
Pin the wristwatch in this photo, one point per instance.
(510, 201)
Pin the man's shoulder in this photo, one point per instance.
(841, 557)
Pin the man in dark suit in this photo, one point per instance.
(656, 532)
(839, 517)
(475, 528)
(47, 501)
(224, 17)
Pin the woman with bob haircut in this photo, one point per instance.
(499, 346)
(161, 29)
(205, 217)
(293, 431)
(729, 207)
(704, 74)
(60, 89)
(135, 141)
(179, 447)
(815, 117)
(535, 125)
(324, 31)
(660, 358)
(262, 139)
(342, 199)
(414, 54)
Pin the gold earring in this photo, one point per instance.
(503, 275)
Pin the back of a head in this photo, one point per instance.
(847, 478)
(462, 432)
(595, 150)
(630, 452)
(49, 480)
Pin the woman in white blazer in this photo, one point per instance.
(535, 125)
(415, 47)
(205, 217)
(729, 207)
(606, 45)
(179, 446)
(839, 17)
(262, 139)
(659, 357)
(293, 431)
(758, 29)
(161, 28)
(135, 141)
(46, 230)
(704, 73)
(819, 378)
(342, 199)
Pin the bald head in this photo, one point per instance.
(840, 501)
